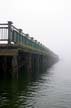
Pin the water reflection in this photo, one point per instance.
(49, 89)
(22, 92)
(19, 93)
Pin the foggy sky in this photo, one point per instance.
(48, 21)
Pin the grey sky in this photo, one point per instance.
(48, 21)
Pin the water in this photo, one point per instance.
(51, 89)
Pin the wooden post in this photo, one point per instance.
(29, 65)
(15, 66)
(9, 31)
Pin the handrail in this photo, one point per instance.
(15, 35)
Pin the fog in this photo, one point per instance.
(48, 21)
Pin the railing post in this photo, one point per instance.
(9, 31)
(20, 38)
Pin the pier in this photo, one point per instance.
(18, 49)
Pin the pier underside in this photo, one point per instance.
(20, 51)
(13, 58)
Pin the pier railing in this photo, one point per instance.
(3, 32)
(11, 35)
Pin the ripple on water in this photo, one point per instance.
(51, 90)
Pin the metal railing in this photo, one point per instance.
(12, 35)
(3, 32)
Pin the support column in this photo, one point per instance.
(36, 63)
(29, 63)
(15, 67)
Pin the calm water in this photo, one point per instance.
(52, 89)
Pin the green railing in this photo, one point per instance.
(15, 36)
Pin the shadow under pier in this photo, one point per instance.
(13, 58)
